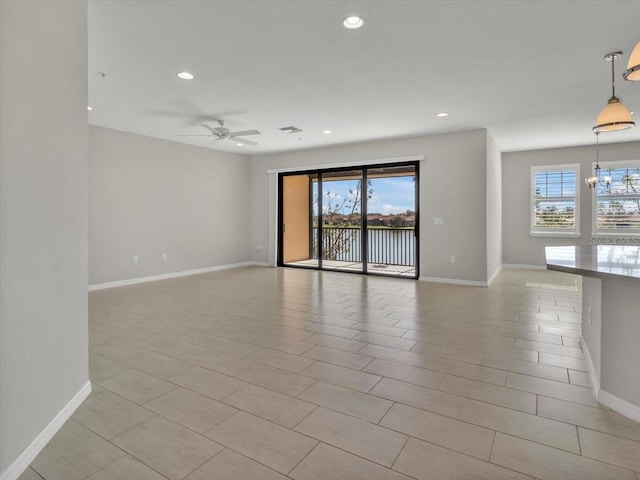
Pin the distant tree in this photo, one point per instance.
(615, 208)
(397, 221)
(552, 216)
(632, 182)
(349, 210)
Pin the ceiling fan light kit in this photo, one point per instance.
(614, 116)
(223, 133)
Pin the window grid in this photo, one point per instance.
(554, 202)
(617, 199)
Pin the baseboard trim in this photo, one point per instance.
(593, 375)
(456, 281)
(16, 469)
(261, 264)
(523, 265)
(494, 275)
(453, 281)
(619, 405)
(165, 276)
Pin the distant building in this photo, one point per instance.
(377, 220)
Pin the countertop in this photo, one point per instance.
(619, 263)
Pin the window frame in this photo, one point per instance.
(595, 231)
(535, 231)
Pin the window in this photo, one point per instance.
(616, 201)
(555, 200)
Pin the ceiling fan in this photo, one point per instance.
(223, 133)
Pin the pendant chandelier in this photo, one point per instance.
(594, 181)
(614, 116)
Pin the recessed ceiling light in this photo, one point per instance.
(442, 114)
(326, 132)
(240, 144)
(353, 22)
(185, 75)
(89, 107)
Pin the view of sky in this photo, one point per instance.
(556, 184)
(391, 195)
(613, 186)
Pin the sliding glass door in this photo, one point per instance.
(391, 220)
(351, 219)
(342, 220)
(299, 220)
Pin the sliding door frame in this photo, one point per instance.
(364, 250)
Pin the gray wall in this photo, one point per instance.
(592, 331)
(150, 196)
(494, 207)
(452, 185)
(518, 246)
(43, 215)
(620, 330)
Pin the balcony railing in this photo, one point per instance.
(386, 245)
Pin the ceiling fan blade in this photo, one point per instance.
(244, 132)
(194, 135)
(211, 129)
(243, 141)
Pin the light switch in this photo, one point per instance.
(438, 220)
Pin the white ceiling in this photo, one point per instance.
(529, 71)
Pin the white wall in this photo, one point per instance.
(452, 185)
(494, 207)
(518, 246)
(43, 218)
(150, 196)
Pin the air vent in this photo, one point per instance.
(291, 129)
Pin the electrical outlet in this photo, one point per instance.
(164, 256)
(135, 259)
(259, 248)
(452, 259)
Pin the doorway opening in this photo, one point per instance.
(360, 220)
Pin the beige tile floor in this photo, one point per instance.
(262, 373)
(381, 269)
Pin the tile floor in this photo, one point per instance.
(380, 268)
(262, 373)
